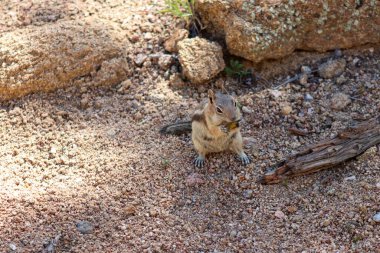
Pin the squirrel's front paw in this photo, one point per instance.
(199, 161)
(244, 159)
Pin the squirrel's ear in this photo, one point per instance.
(211, 96)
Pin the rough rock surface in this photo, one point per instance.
(271, 29)
(58, 55)
(200, 59)
(340, 101)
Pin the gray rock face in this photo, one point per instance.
(271, 29)
(58, 55)
(201, 60)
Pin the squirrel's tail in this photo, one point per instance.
(177, 128)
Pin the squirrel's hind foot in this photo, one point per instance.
(199, 161)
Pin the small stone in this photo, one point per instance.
(378, 185)
(286, 110)
(308, 97)
(303, 79)
(350, 178)
(376, 217)
(194, 179)
(84, 103)
(249, 142)
(12, 247)
(332, 68)
(246, 109)
(341, 79)
(148, 36)
(247, 194)
(279, 214)
(340, 101)
(129, 210)
(140, 59)
(306, 69)
(355, 61)
(275, 93)
(326, 223)
(85, 227)
(338, 53)
(165, 61)
(233, 233)
(292, 209)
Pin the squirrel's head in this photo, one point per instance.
(223, 108)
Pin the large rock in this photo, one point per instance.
(201, 60)
(270, 29)
(58, 55)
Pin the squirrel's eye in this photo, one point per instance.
(219, 110)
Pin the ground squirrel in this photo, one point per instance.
(214, 128)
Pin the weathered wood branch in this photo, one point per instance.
(327, 153)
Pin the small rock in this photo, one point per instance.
(246, 109)
(341, 79)
(85, 227)
(201, 60)
(340, 101)
(332, 68)
(12, 247)
(165, 61)
(308, 97)
(148, 36)
(178, 35)
(140, 59)
(292, 209)
(338, 53)
(233, 233)
(129, 210)
(306, 69)
(286, 110)
(378, 185)
(350, 178)
(275, 93)
(326, 223)
(279, 214)
(249, 142)
(376, 217)
(303, 79)
(247, 194)
(355, 61)
(84, 103)
(194, 179)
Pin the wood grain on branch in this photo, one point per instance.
(327, 153)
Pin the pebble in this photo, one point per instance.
(332, 68)
(286, 110)
(85, 227)
(279, 214)
(340, 101)
(165, 61)
(376, 217)
(341, 79)
(12, 247)
(140, 59)
(303, 79)
(194, 179)
(350, 178)
(308, 97)
(355, 61)
(247, 194)
(305, 69)
(378, 185)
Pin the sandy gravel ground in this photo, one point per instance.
(93, 156)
